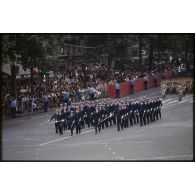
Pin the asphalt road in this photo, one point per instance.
(33, 138)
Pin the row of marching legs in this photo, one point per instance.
(142, 118)
(150, 116)
(104, 124)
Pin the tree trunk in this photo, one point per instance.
(150, 61)
(190, 60)
(186, 54)
(31, 81)
(140, 49)
(109, 66)
(13, 79)
(158, 55)
(109, 59)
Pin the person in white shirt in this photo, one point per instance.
(13, 107)
(117, 88)
(131, 85)
(91, 93)
(145, 82)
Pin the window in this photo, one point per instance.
(61, 50)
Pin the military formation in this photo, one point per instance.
(179, 86)
(103, 113)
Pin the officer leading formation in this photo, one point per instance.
(103, 113)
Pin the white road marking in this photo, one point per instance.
(171, 105)
(147, 142)
(184, 100)
(55, 140)
(176, 102)
(119, 158)
(17, 146)
(166, 100)
(161, 157)
(86, 132)
(188, 97)
(63, 138)
(171, 102)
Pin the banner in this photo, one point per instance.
(138, 85)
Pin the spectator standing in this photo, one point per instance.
(105, 85)
(45, 102)
(66, 98)
(13, 107)
(145, 82)
(154, 76)
(7, 104)
(91, 93)
(117, 88)
(131, 84)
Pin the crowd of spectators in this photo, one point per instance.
(82, 82)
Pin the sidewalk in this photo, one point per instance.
(27, 113)
(149, 92)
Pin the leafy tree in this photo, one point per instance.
(114, 45)
(31, 50)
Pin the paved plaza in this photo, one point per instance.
(31, 137)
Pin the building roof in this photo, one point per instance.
(6, 68)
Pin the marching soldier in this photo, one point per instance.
(101, 115)
(71, 122)
(141, 113)
(159, 104)
(119, 119)
(55, 116)
(96, 121)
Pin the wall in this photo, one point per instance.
(138, 85)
